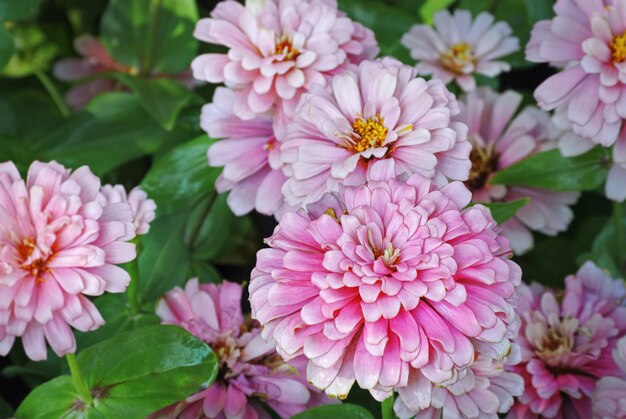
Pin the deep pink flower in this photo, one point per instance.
(384, 282)
(277, 51)
(95, 63)
(457, 48)
(58, 244)
(609, 399)
(380, 112)
(250, 369)
(483, 391)
(249, 153)
(566, 346)
(499, 139)
(144, 209)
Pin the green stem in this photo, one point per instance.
(132, 292)
(155, 11)
(79, 384)
(387, 408)
(54, 93)
(619, 236)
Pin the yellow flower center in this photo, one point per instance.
(369, 133)
(484, 163)
(618, 48)
(35, 266)
(285, 47)
(458, 57)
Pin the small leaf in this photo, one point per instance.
(431, 7)
(162, 98)
(181, 177)
(130, 376)
(343, 411)
(503, 211)
(550, 170)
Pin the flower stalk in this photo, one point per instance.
(79, 383)
(387, 408)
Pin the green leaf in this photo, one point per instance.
(503, 211)
(33, 51)
(130, 376)
(6, 411)
(162, 98)
(112, 130)
(181, 177)
(538, 10)
(17, 9)
(550, 170)
(431, 7)
(343, 411)
(604, 249)
(152, 36)
(388, 23)
(7, 47)
(164, 260)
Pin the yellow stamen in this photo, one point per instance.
(369, 132)
(618, 48)
(286, 48)
(458, 57)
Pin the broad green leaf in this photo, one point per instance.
(431, 7)
(550, 170)
(164, 260)
(388, 23)
(130, 376)
(605, 249)
(181, 177)
(538, 10)
(112, 130)
(503, 211)
(17, 9)
(151, 36)
(7, 47)
(343, 411)
(163, 98)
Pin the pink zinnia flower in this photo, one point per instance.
(386, 283)
(250, 369)
(457, 48)
(249, 153)
(277, 51)
(483, 391)
(144, 209)
(380, 112)
(566, 346)
(95, 63)
(609, 399)
(499, 139)
(58, 244)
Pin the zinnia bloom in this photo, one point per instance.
(499, 139)
(380, 112)
(250, 370)
(143, 208)
(95, 63)
(386, 283)
(278, 51)
(483, 391)
(58, 244)
(249, 153)
(567, 342)
(609, 401)
(457, 48)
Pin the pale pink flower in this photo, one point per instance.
(457, 47)
(95, 63)
(58, 244)
(380, 112)
(567, 342)
(384, 282)
(277, 51)
(249, 153)
(483, 391)
(500, 137)
(144, 209)
(250, 370)
(609, 399)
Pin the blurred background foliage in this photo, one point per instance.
(145, 131)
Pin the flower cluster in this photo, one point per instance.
(567, 343)
(394, 285)
(59, 243)
(588, 41)
(250, 370)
